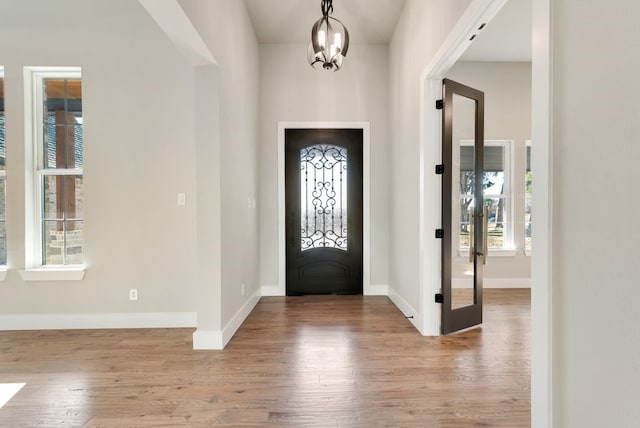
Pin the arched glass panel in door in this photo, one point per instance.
(323, 184)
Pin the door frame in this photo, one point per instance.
(367, 288)
(477, 13)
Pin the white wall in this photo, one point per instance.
(225, 28)
(507, 89)
(290, 90)
(596, 152)
(421, 29)
(138, 108)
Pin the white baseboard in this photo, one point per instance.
(217, 340)
(207, 340)
(493, 282)
(272, 290)
(376, 290)
(98, 321)
(409, 311)
(236, 321)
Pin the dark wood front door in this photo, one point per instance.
(323, 205)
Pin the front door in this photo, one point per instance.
(464, 243)
(323, 206)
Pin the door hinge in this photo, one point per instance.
(440, 169)
(439, 233)
(439, 104)
(439, 298)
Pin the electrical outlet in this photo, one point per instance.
(242, 289)
(133, 294)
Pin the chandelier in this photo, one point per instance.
(329, 40)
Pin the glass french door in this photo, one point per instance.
(464, 218)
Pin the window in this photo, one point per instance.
(56, 155)
(496, 191)
(3, 177)
(527, 199)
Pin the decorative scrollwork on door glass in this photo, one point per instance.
(323, 199)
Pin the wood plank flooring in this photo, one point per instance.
(313, 361)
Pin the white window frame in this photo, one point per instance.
(508, 249)
(34, 268)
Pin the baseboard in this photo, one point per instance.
(272, 290)
(207, 340)
(217, 340)
(376, 290)
(409, 311)
(493, 282)
(97, 321)
(236, 321)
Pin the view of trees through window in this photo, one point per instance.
(495, 192)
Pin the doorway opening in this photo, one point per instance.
(478, 14)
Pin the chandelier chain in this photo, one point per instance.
(327, 7)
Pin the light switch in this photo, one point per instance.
(182, 199)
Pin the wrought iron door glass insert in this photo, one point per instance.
(323, 197)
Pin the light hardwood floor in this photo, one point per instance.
(322, 361)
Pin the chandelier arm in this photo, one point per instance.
(314, 35)
(345, 44)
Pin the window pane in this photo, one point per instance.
(50, 197)
(3, 244)
(527, 200)
(527, 221)
(62, 197)
(53, 242)
(74, 157)
(467, 182)
(465, 220)
(2, 129)
(497, 221)
(494, 158)
(493, 183)
(62, 142)
(3, 187)
(74, 242)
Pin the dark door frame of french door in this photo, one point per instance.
(455, 319)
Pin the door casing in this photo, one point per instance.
(367, 288)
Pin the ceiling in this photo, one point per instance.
(506, 38)
(290, 21)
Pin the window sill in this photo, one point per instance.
(502, 252)
(75, 273)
